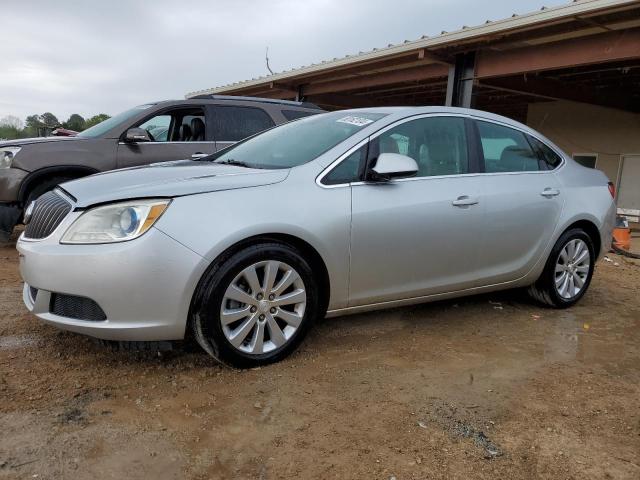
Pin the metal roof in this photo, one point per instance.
(465, 34)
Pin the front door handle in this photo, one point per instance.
(464, 201)
(200, 155)
(550, 192)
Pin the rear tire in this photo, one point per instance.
(568, 271)
(239, 315)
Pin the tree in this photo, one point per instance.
(96, 119)
(12, 121)
(75, 122)
(50, 120)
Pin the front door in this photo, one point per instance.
(176, 134)
(418, 236)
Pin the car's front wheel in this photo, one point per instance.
(568, 271)
(255, 306)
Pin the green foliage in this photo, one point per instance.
(76, 122)
(96, 119)
(50, 120)
(36, 125)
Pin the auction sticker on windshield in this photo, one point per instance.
(357, 121)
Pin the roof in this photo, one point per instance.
(463, 35)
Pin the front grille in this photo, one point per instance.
(49, 210)
(78, 308)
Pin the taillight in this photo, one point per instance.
(612, 189)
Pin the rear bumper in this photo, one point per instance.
(144, 287)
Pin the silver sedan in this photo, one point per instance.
(332, 214)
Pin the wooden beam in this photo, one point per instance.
(604, 47)
(414, 74)
(554, 90)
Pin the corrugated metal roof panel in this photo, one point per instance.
(515, 22)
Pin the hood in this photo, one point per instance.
(167, 179)
(27, 141)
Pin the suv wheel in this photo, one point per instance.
(568, 271)
(256, 306)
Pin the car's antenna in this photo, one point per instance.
(266, 57)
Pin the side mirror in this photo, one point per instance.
(394, 165)
(135, 135)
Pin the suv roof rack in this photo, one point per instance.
(257, 99)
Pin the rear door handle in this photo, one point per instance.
(200, 155)
(550, 192)
(464, 201)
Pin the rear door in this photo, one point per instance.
(418, 236)
(233, 123)
(523, 201)
(177, 133)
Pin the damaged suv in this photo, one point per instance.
(154, 132)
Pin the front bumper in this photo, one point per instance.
(10, 181)
(143, 286)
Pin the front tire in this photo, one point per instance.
(255, 306)
(568, 271)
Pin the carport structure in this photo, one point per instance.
(572, 72)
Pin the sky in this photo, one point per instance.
(90, 57)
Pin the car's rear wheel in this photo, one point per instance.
(567, 274)
(256, 306)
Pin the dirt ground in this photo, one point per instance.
(486, 387)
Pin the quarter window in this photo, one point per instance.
(548, 157)
(506, 149)
(235, 123)
(349, 170)
(437, 144)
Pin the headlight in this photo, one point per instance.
(6, 156)
(117, 222)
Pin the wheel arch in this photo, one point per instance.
(309, 251)
(37, 176)
(590, 229)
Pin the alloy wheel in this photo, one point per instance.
(572, 268)
(263, 307)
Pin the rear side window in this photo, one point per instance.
(295, 114)
(232, 124)
(548, 157)
(506, 149)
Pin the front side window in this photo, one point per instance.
(177, 125)
(232, 124)
(437, 144)
(296, 143)
(506, 149)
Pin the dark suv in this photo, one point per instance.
(154, 132)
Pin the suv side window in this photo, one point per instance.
(232, 124)
(437, 144)
(349, 170)
(177, 125)
(549, 159)
(506, 149)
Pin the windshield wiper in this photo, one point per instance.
(231, 161)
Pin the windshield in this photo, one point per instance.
(297, 142)
(104, 127)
